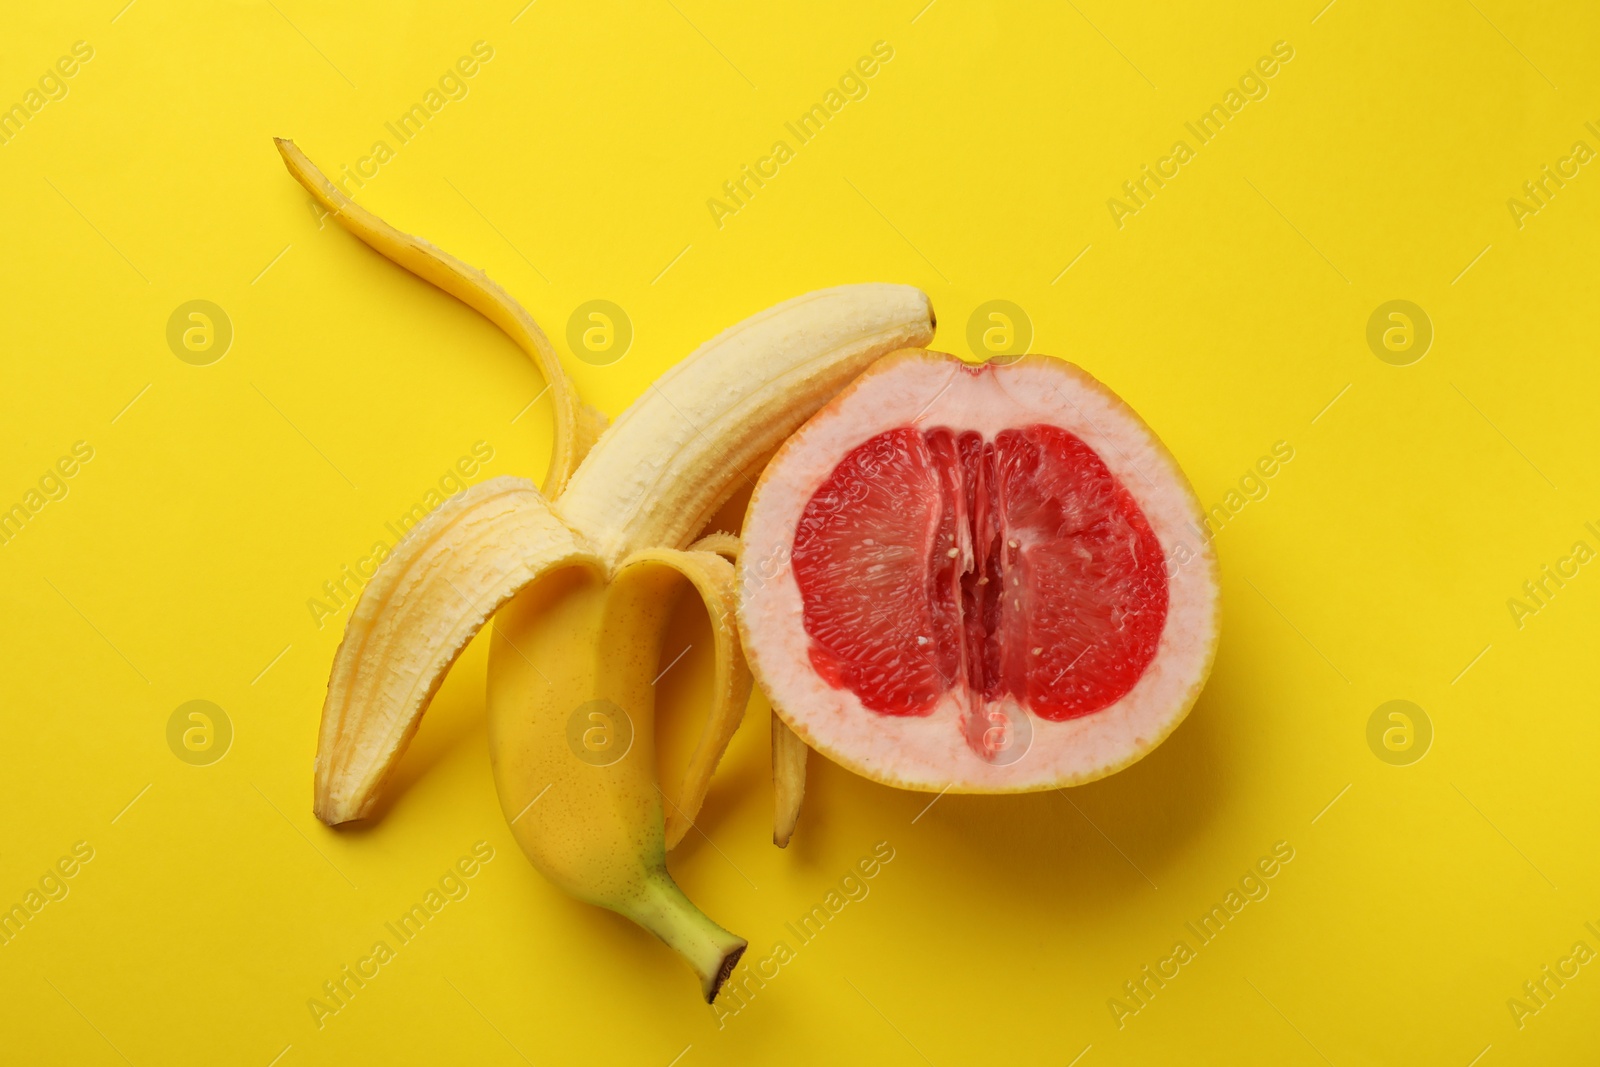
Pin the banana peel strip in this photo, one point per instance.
(713, 578)
(577, 426)
(788, 780)
(428, 599)
(788, 751)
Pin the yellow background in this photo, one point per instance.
(1230, 312)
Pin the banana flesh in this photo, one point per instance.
(583, 576)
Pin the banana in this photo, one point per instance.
(583, 576)
(571, 714)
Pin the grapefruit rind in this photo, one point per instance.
(914, 387)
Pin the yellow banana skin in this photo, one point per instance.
(577, 426)
(788, 751)
(788, 780)
(576, 655)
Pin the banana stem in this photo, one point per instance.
(712, 951)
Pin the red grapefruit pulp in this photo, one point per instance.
(984, 578)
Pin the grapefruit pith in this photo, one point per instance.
(976, 578)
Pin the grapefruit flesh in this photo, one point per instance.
(1017, 567)
(981, 578)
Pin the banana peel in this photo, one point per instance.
(583, 575)
(571, 737)
(788, 780)
(577, 426)
(788, 751)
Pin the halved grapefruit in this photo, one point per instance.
(977, 578)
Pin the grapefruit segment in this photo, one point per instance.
(980, 578)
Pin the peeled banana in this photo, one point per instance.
(586, 573)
